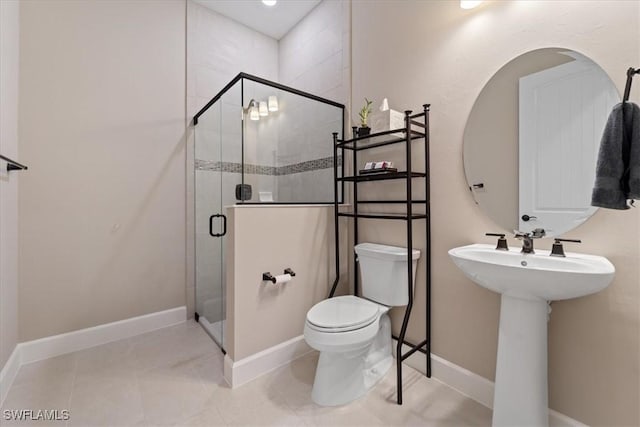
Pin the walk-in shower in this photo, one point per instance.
(255, 142)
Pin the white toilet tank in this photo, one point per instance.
(384, 272)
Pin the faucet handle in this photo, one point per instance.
(568, 240)
(520, 234)
(502, 242)
(558, 250)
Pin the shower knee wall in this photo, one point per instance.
(261, 315)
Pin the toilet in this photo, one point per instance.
(353, 334)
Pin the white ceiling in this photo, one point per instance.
(274, 21)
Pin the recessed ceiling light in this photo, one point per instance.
(269, 2)
(469, 4)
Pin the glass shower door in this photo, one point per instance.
(218, 139)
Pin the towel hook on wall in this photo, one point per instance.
(627, 88)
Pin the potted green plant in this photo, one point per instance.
(364, 115)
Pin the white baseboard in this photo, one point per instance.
(471, 384)
(56, 345)
(256, 365)
(44, 348)
(556, 419)
(9, 372)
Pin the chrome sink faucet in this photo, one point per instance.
(527, 239)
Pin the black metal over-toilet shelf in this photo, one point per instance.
(405, 136)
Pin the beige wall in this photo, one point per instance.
(9, 58)
(435, 52)
(102, 123)
(260, 314)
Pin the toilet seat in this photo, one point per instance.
(351, 361)
(343, 314)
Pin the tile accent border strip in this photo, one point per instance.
(233, 167)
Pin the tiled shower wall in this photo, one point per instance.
(290, 160)
(218, 48)
(305, 149)
(289, 152)
(315, 57)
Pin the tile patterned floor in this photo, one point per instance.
(173, 377)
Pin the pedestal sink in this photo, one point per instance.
(527, 283)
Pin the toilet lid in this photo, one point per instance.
(343, 313)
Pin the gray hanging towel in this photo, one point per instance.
(618, 159)
(634, 151)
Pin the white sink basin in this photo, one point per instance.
(533, 275)
(527, 282)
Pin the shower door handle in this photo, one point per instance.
(224, 225)
(211, 233)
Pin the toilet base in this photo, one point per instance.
(342, 377)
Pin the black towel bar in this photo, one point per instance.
(12, 165)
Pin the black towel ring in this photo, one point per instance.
(627, 88)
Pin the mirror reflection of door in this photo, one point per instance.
(562, 111)
(532, 138)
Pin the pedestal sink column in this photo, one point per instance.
(521, 396)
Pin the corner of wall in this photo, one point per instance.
(9, 80)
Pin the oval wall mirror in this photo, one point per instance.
(531, 141)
